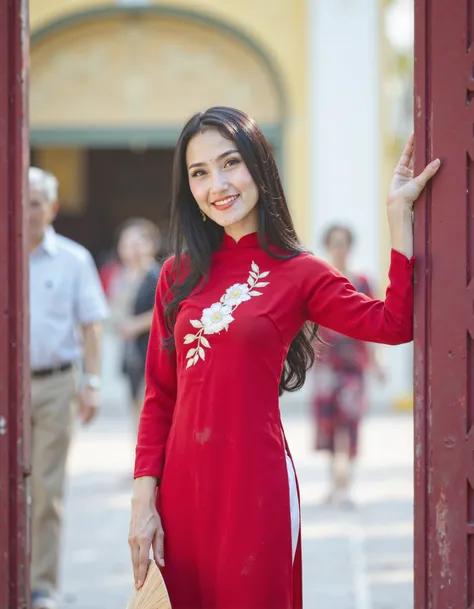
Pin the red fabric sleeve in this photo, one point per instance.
(160, 394)
(332, 302)
(365, 287)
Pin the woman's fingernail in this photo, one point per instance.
(436, 163)
(138, 584)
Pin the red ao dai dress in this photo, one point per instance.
(210, 428)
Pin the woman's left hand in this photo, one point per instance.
(405, 188)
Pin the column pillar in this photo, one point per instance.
(14, 369)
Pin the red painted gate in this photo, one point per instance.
(444, 317)
(14, 370)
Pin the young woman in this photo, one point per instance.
(131, 298)
(215, 489)
(339, 376)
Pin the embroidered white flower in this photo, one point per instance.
(216, 318)
(219, 315)
(236, 294)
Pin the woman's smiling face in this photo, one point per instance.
(221, 183)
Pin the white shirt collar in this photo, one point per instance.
(49, 243)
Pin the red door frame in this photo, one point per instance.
(444, 326)
(14, 340)
(444, 295)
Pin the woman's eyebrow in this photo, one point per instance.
(221, 156)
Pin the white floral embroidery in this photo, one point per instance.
(237, 294)
(219, 315)
(216, 318)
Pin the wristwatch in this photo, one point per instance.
(92, 381)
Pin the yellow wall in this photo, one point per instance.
(279, 27)
(69, 166)
(144, 71)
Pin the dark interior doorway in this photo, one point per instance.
(121, 183)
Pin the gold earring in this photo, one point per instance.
(204, 217)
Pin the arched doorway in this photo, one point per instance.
(110, 90)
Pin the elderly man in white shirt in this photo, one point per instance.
(67, 307)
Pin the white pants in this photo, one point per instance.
(294, 505)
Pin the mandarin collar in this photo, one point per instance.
(250, 240)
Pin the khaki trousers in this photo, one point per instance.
(52, 419)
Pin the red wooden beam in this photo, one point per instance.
(421, 297)
(444, 313)
(14, 368)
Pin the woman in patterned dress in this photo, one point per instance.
(340, 396)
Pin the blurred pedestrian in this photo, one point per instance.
(108, 266)
(215, 490)
(340, 395)
(67, 307)
(132, 298)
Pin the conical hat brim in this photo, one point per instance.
(153, 594)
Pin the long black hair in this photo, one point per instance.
(200, 239)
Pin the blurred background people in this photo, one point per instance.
(67, 307)
(340, 395)
(131, 294)
(109, 266)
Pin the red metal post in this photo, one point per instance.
(14, 369)
(444, 307)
